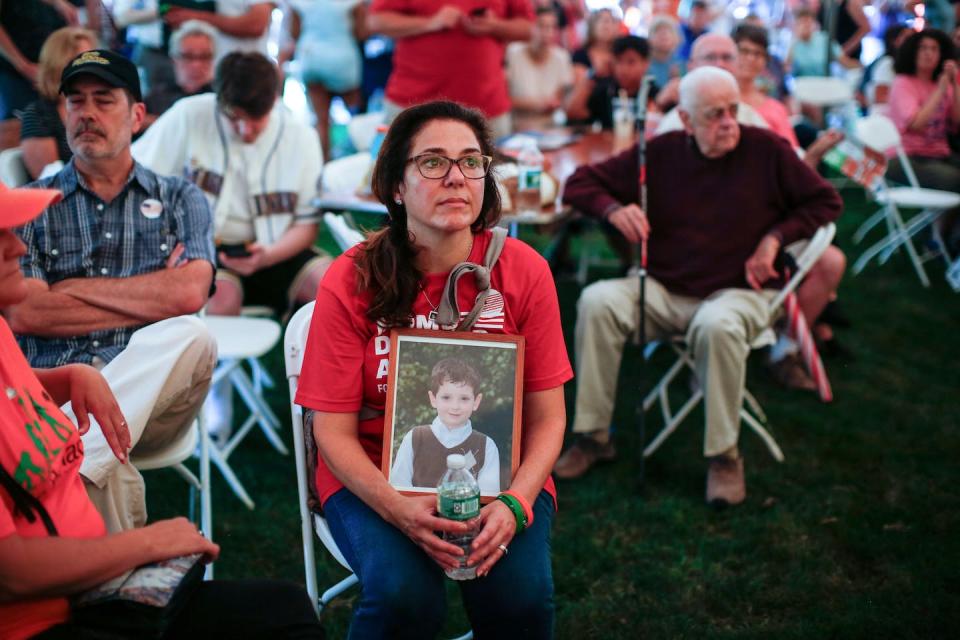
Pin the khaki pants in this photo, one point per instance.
(719, 330)
(160, 381)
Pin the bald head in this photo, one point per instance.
(713, 50)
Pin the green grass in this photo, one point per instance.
(855, 535)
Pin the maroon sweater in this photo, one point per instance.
(707, 216)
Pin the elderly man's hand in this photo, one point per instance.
(631, 221)
(759, 266)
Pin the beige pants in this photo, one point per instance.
(160, 381)
(719, 330)
(500, 126)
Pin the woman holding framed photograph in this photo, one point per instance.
(433, 175)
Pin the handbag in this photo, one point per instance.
(141, 603)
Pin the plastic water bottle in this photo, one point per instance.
(458, 498)
(530, 166)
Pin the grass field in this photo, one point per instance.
(855, 535)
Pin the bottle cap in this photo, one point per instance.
(456, 461)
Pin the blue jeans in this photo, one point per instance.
(402, 588)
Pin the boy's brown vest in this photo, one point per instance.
(430, 456)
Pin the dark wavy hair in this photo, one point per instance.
(753, 34)
(906, 62)
(386, 262)
(248, 81)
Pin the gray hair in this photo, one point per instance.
(664, 21)
(192, 28)
(692, 85)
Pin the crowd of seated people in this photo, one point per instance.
(211, 209)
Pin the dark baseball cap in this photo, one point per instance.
(110, 67)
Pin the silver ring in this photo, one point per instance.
(503, 548)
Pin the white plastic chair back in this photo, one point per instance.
(362, 129)
(822, 91)
(346, 174)
(343, 234)
(880, 134)
(294, 345)
(13, 172)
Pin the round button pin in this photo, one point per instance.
(151, 208)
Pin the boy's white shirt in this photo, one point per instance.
(185, 137)
(401, 473)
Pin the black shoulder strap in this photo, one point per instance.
(26, 503)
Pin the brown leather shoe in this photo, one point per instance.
(582, 455)
(725, 483)
(790, 373)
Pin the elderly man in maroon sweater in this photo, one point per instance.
(722, 199)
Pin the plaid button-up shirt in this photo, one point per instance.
(84, 237)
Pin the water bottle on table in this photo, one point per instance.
(530, 170)
(458, 498)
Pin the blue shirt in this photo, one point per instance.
(84, 237)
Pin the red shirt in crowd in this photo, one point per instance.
(345, 364)
(42, 451)
(451, 64)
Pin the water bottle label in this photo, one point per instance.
(529, 178)
(459, 508)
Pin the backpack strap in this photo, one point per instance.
(448, 314)
(26, 503)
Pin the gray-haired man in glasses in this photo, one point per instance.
(709, 50)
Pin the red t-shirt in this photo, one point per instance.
(345, 364)
(451, 63)
(42, 450)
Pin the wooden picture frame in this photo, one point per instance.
(415, 411)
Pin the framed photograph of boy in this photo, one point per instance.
(452, 392)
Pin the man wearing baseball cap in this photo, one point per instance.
(113, 273)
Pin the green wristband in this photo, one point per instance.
(516, 508)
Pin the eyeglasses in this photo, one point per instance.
(715, 114)
(437, 167)
(718, 57)
(195, 57)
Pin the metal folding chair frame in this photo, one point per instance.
(751, 412)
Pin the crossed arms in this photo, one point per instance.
(77, 306)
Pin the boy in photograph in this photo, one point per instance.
(422, 456)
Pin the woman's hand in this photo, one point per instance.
(91, 395)
(178, 537)
(949, 74)
(497, 527)
(416, 518)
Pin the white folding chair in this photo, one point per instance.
(311, 522)
(751, 413)
(241, 339)
(346, 174)
(880, 134)
(13, 172)
(173, 456)
(344, 234)
(362, 129)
